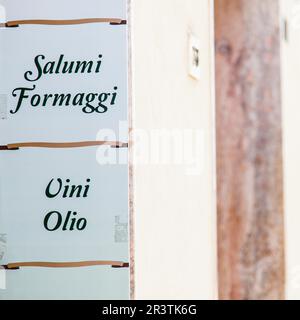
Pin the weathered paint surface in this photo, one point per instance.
(249, 150)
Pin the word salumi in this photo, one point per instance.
(92, 102)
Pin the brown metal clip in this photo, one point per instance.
(125, 265)
(6, 267)
(7, 148)
(118, 23)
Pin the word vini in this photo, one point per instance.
(54, 220)
(93, 102)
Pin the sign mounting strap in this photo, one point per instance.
(61, 145)
(16, 23)
(18, 265)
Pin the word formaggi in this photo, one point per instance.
(98, 102)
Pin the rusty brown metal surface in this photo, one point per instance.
(249, 150)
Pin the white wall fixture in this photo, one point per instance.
(194, 56)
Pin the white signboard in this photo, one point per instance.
(63, 196)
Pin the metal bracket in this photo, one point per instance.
(5, 148)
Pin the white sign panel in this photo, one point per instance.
(63, 195)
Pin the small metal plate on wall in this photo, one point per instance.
(194, 57)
